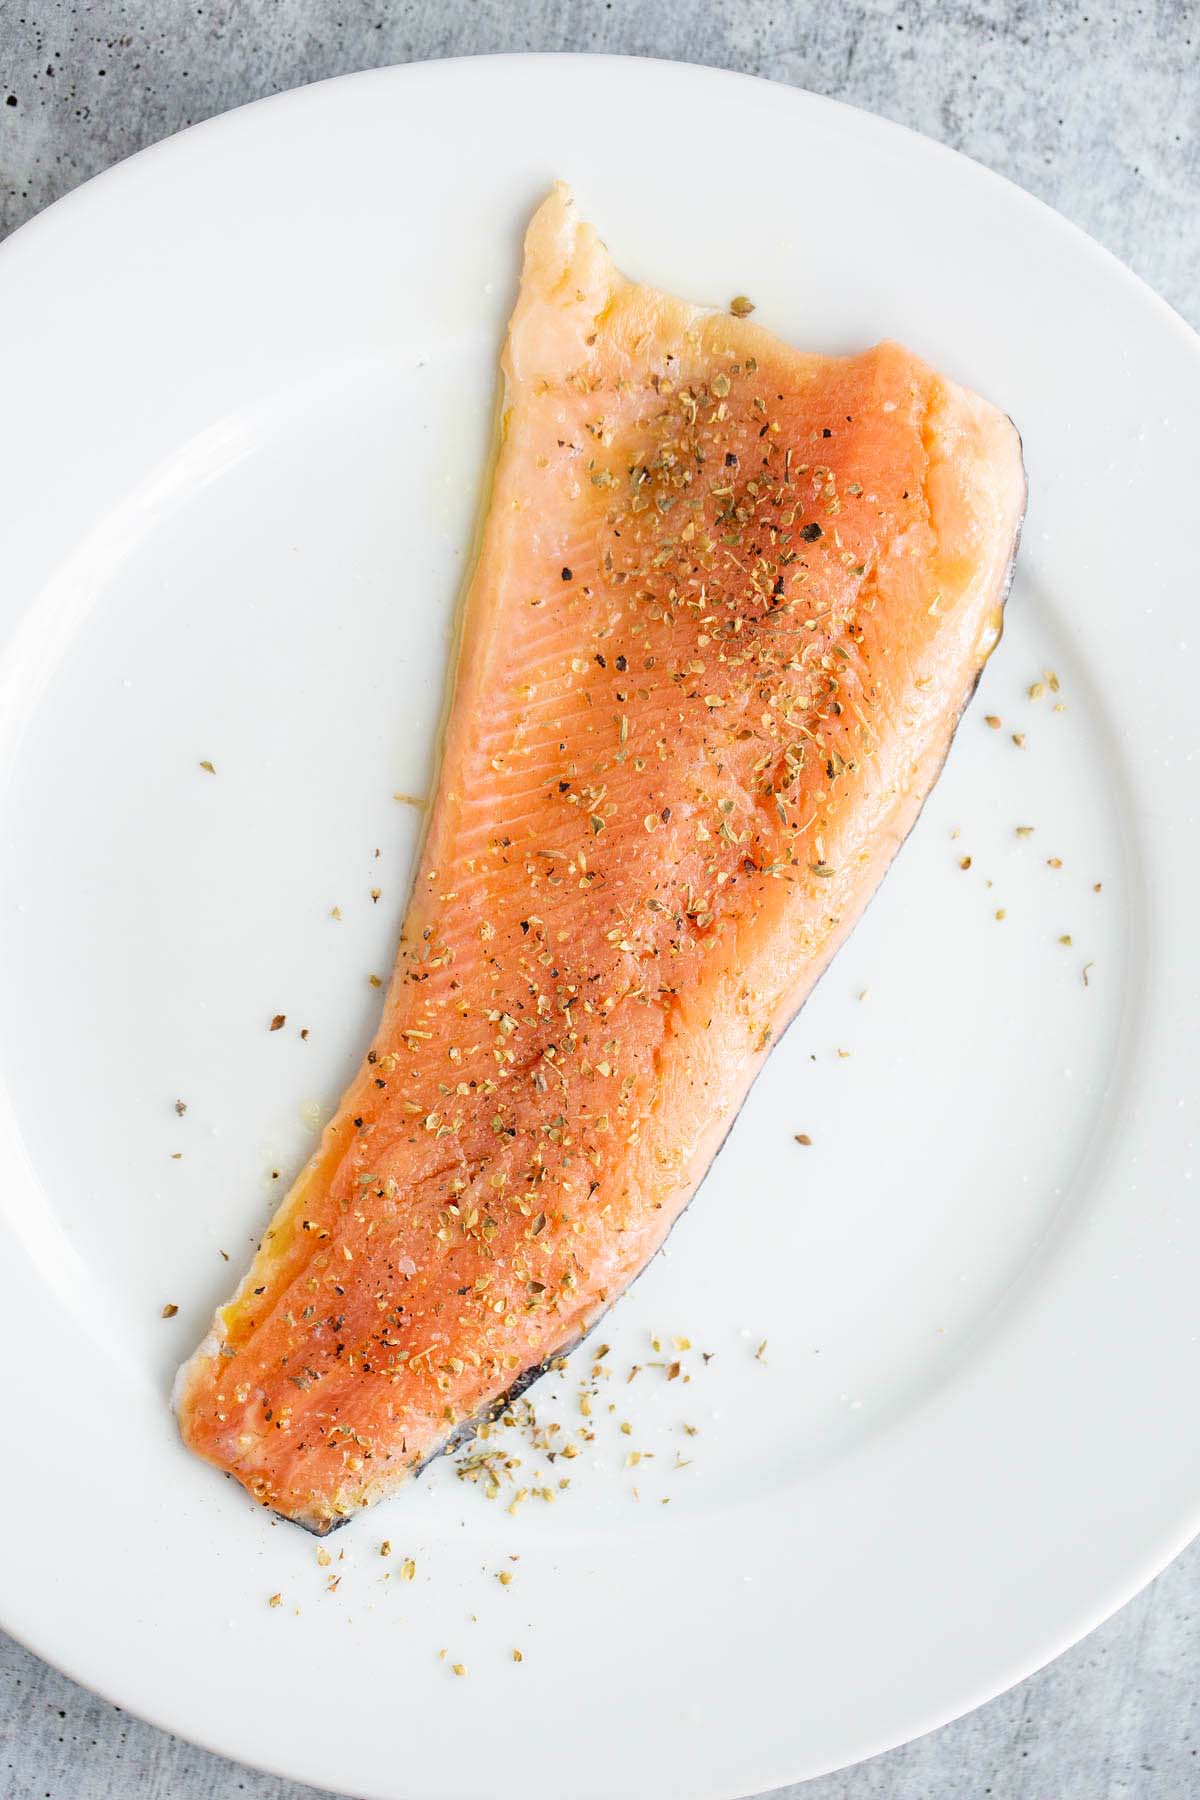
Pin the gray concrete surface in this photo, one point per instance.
(1095, 108)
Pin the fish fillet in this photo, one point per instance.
(730, 600)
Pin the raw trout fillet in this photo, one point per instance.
(729, 603)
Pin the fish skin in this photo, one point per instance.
(268, 1397)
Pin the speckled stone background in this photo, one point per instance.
(1096, 110)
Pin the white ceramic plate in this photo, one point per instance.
(246, 380)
